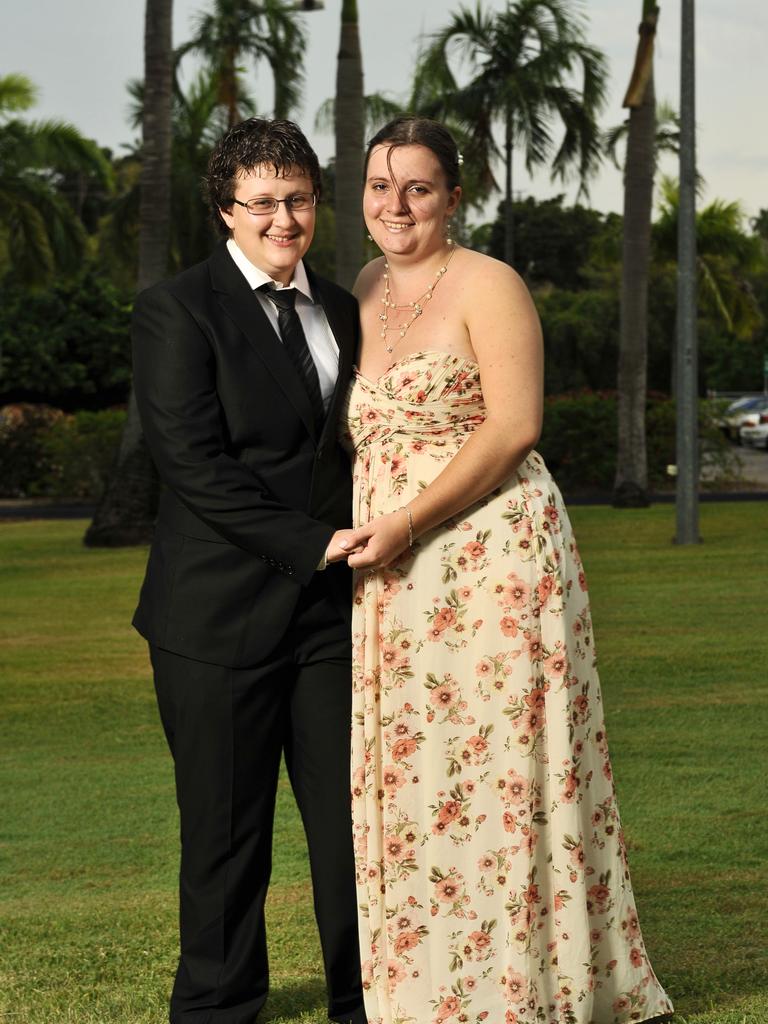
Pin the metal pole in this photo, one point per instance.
(687, 502)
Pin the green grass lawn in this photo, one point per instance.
(88, 825)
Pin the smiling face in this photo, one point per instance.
(273, 242)
(406, 202)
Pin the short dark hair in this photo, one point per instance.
(410, 130)
(252, 143)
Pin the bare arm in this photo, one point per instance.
(506, 336)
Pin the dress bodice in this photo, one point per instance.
(426, 395)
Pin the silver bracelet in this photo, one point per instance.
(404, 508)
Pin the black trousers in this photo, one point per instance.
(226, 729)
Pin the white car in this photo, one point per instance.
(735, 416)
(754, 429)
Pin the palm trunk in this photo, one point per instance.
(509, 210)
(127, 510)
(631, 482)
(350, 128)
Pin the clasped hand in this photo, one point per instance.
(372, 546)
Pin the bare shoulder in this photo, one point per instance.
(490, 279)
(367, 277)
(497, 307)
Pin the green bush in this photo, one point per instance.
(67, 346)
(47, 453)
(578, 441)
(23, 456)
(80, 451)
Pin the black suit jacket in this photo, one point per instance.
(252, 493)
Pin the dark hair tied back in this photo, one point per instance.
(409, 130)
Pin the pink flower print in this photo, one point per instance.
(514, 788)
(480, 940)
(536, 698)
(551, 513)
(570, 785)
(532, 645)
(509, 821)
(531, 721)
(445, 617)
(367, 971)
(403, 748)
(508, 626)
(622, 1004)
(358, 782)
(486, 862)
(395, 974)
(577, 856)
(450, 810)
(515, 986)
(448, 1008)
(600, 895)
(394, 849)
(484, 668)
(393, 778)
(406, 941)
(557, 663)
(582, 580)
(443, 696)
(636, 957)
(518, 592)
(446, 890)
(392, 656)
(529, 841)
(478, 744)
(545, 587)
(475, 550)
(390, 586)
(464, 593)
(369, 415)
(631, 926)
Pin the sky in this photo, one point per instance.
(82, 54)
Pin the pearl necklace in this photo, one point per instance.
(416, 307)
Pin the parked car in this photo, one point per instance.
(735, 415)
(754, 429)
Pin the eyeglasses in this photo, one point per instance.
(268, 204)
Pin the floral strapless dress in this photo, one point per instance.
(491, 869)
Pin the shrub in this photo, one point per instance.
(66, 346)
(47, 453)
(23, 456)
(578, 441)
(80, 453)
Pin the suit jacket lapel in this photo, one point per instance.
(345, 339)
(241, 305)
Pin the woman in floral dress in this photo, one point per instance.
(492, 875)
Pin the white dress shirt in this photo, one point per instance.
(320, 339)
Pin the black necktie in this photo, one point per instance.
(295, 342)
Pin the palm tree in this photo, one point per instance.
(237, 29)
(727, 257)
(349, 125)
(199, 120)
(127, 511)
(521, 61)
(631, 481)
(40, 232)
